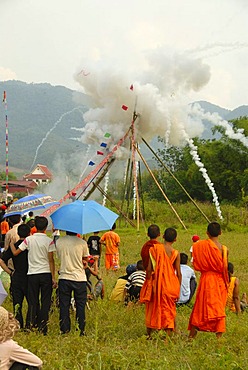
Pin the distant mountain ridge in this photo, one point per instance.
(33, 110)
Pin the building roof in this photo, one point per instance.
(47, 175)
(20, 183)
(45, 169)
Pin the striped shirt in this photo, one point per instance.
(137, 278)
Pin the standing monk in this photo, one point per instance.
(112, 241)
(161, 288)
(154, 233)
(210, 258)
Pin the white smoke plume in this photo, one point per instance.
(216, 120)
(161, 90)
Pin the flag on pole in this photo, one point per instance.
(91, 163)
(107, 135)
(99, 153)
(131, 87)
(104, 145)
(124, 107)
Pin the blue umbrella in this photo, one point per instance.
(83, 217)
(30, 203)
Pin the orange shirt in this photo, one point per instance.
(112, 241)
(33, 230)
(4, 227)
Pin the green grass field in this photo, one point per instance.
(115, 335)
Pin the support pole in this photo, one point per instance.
(174, 177)
(114, 204)
(163, 193)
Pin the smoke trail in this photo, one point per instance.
(202, 169)
(215, 119)
(134, 189)
(86, 159)
(226, 46)
(106, 182)
(49, 132)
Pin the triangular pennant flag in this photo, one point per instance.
(107, 134)
(124, 107)
(104, 145)
(99, 153)
(91, 163)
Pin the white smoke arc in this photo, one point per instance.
(106, 182)
(49, 132)
(215, 119)
(202, 169)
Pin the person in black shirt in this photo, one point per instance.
(95, 246)
(19, 281)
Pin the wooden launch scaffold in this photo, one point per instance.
(132, 182)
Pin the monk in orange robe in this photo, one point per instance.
(161, 288)
(210, 258)
(153, 232)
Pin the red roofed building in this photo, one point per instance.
(40, 175)
(19, 186)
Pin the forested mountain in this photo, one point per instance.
(34, 110)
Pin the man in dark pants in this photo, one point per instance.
(41, 274)
(19, 280)
(72, 252)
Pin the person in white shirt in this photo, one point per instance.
(41, 274)
(72, 252)
(188, 285)
(12, 355)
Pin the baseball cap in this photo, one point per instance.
(131, 268)
(195, 238)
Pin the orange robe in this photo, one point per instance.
(145, 251)
(160, 291)
(209, 309)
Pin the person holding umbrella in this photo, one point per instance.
(72, 253)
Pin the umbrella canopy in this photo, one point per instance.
(30, 203)
(3, 293)
(83, 217)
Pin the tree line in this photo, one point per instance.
(226, 162)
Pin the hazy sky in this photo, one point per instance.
(52, 40)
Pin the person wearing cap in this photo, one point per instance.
(12, 355)
(134, 284)
(118, 292)
(195, 238)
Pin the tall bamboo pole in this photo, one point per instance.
(174, 177)
(163, 193)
